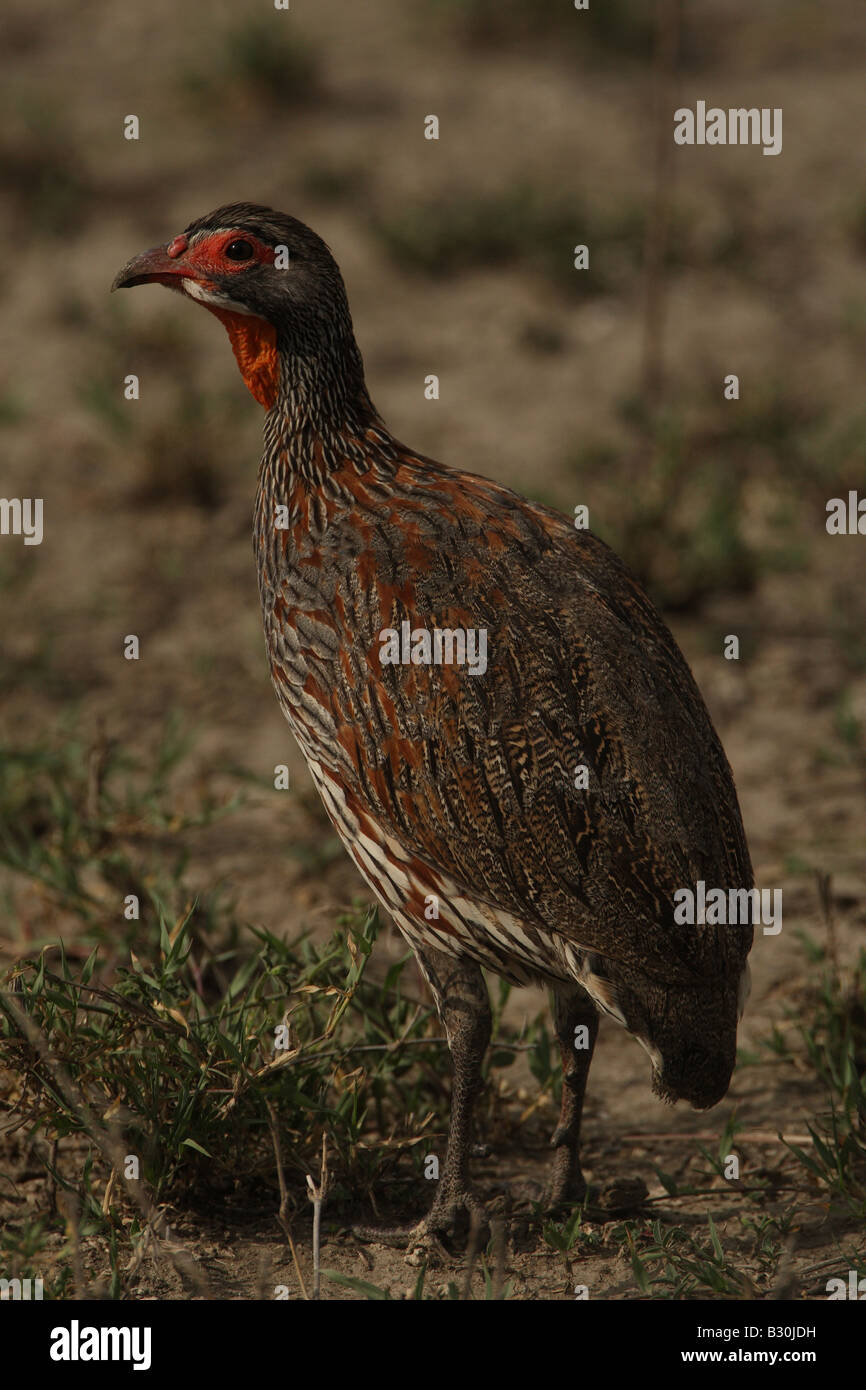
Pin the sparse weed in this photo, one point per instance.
(671, 1264)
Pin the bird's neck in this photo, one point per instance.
(321, 414)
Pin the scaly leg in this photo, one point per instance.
(572, 1008)
(460, 995)
(461, 999)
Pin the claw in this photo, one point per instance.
(562, 1195)
(440, 1220)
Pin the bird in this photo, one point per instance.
(501, 726)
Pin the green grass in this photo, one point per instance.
(271, 61)
(12, 410)
(261, 62)
(521, 225)
(157, 1038)
(572, 1234)
(451, 1292)
(671, 1263)
(682, 529)
(834, 1041)
(190, 1075)
(443, 237)
(824, 1038)
(73, 813)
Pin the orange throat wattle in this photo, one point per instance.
(254, 344)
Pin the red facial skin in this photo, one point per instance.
(166, 265)
(253, 340)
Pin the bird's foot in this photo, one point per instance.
(564, 1194)
(617, 1197)
(424, 1238)
(568, 1187)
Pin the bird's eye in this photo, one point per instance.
(239, 251)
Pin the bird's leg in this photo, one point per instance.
(460, 995)
(576, 1023)
(461, 999)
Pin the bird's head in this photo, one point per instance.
(687, 1024)
(690, 1036)
(271, 281)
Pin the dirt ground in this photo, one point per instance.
(147, 504)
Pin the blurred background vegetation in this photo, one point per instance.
(601, 387)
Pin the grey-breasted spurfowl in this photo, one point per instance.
(532, 814)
